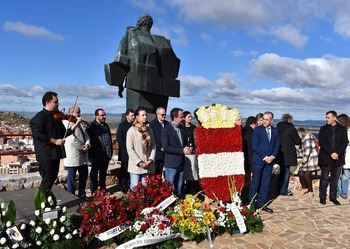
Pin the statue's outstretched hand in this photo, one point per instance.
(120, 91)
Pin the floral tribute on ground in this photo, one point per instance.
(220, 151)
(149, 216)
(54, 227)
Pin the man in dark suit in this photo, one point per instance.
(123, 127)
(248, 130)
(333, 140)
(174, 144)
(265, 145)
(101, 150)
(48, 134)
(157, 126)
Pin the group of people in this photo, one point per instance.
(167, 148)
(158, 147)
(265, 146)
(74, 140)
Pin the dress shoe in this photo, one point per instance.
(344, 197)
(266, 209)
(85, 198)
(323, 202)
(336, 202)
(288, 194)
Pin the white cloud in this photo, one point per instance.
(341, 26)
(148, 5)
(206, 37)
(256, 15)
(225, 85)
(180, 36)
(191, 85)
(31, 31)
(225, 12)
(326, 72)
(176, 34)
(291, 35)
(237, 53)
(222, 43)
(11, 90)
(253, 53)
(92, 92)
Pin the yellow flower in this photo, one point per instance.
(208, 218)
(187, 212)
(188, 202)
(217, 116)
(197, 205)
(182, 223)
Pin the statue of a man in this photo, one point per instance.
(146, 66)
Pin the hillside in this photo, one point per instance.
(13, 118)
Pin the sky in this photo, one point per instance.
(290, 56)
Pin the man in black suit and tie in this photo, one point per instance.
(157, 126)
(123, 127)
(265, 145)
(174, 144)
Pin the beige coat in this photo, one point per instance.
(74, 146)
(135, 152)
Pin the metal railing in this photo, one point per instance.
(26, 152)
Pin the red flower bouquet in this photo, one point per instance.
(149, 195)
(101, 214)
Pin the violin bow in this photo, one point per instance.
(70, 117)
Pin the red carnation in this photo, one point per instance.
(143, 227)
(161, 226)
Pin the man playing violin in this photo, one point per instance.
(76, 147)
(49, 139)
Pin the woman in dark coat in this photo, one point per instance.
(287, 156)
(191, 171)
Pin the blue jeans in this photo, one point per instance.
(175, 176)
(343, 183)
(136, 178)
(284, 180)
(83, 174)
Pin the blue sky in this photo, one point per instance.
(289, 56)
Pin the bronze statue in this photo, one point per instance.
(146, 66)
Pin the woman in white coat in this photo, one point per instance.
(141, 148)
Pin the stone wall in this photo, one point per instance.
(32, 180)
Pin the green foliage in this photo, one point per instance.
(41, 197)
(10, 213)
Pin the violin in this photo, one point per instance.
(62, 116)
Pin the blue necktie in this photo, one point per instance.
(268, 133)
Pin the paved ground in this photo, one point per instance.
(297, 222)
